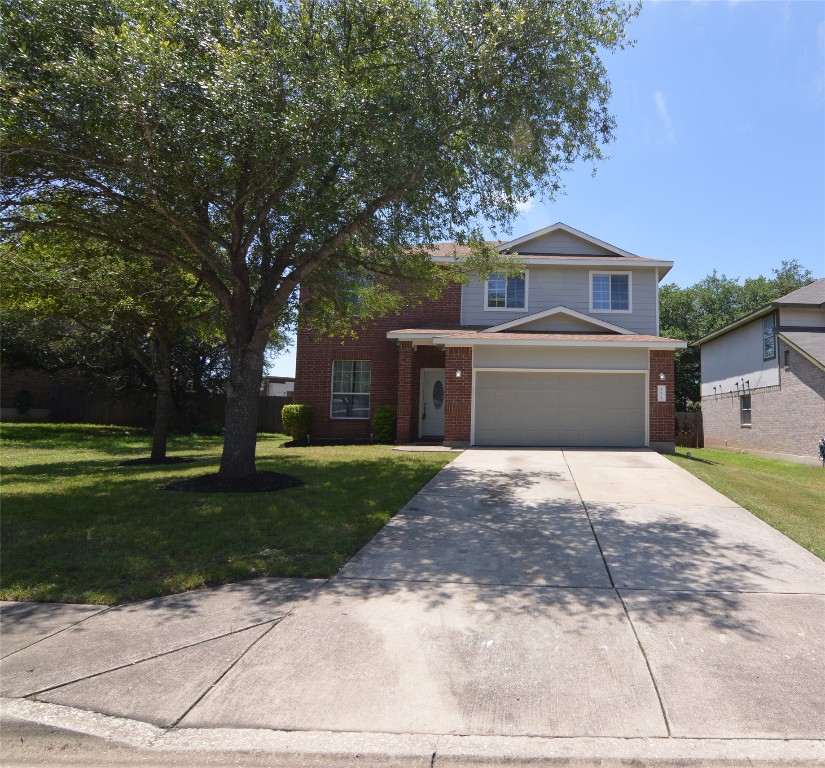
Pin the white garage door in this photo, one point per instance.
(598, 409)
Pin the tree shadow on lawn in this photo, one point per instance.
(499, 535)
(114, 530)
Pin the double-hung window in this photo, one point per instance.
(507, 292)
(768, 338)
(351, 389)
(745, 410)
(610, 291)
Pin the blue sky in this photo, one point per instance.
(719, 156)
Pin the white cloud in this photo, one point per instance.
(525, 206)
(661, 108)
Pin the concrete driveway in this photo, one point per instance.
(523, 593)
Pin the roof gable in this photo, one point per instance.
(559, 320)
(560, 238)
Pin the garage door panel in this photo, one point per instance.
(546, 408)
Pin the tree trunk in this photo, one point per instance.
(241, 414)
(160, 431)
(161, 359)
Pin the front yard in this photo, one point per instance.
(790, 497)
(76, 527)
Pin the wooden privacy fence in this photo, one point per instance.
(79, 406)
(689, 433)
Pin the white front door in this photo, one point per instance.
(431, 407)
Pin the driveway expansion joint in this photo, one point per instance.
(158, 655)
(624, 606)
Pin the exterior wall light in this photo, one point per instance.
(662, 376)
(458, 373)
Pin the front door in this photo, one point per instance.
(431, 408)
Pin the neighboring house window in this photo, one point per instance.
(768, 338)
(745, 410)
(351, 389)
(507, 292)
(610, 292)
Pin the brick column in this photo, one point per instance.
(458, 396)
(403, 413)
(662, 415)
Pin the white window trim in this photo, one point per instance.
(508, 309)
(742, 409)
(629, 310)
(772, 318)
(332, 391)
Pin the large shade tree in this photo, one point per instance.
(258, 145)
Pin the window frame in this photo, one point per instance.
(772, 318)
(486, 298)
(611, 273)
(743, 410)
(334, 392)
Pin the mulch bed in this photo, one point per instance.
(325, 442)
(260, 482)
(149, 462)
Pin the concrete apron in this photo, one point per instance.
(526, 605)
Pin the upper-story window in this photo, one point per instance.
(610, 291)
(768, 338)
(507, 292)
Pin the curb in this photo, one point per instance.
(330, 749)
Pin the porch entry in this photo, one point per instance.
(431, 407)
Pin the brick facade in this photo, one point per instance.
(786, 421)
(662, 415)
(396, 377)
(314, 357)
(458, 396)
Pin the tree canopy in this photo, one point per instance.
(259, 146)
(706, 306)
(72, 303)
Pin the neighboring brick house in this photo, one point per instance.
(569, 353)
(763, 379)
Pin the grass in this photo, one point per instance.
(790, 497)
(76, 527)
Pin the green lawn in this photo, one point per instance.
(790, 497)
(78, 528)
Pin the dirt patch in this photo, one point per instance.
(260, 482)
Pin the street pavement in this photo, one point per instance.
(581, 607)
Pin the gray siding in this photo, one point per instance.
(563, 242)
(560, 358)
(734, 357)
(800, 316)
(552, 286)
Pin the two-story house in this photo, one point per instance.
(763, 379)
(566, 354)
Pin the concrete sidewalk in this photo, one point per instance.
(526, 605)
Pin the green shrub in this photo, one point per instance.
(383, 424)
(296, 420)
